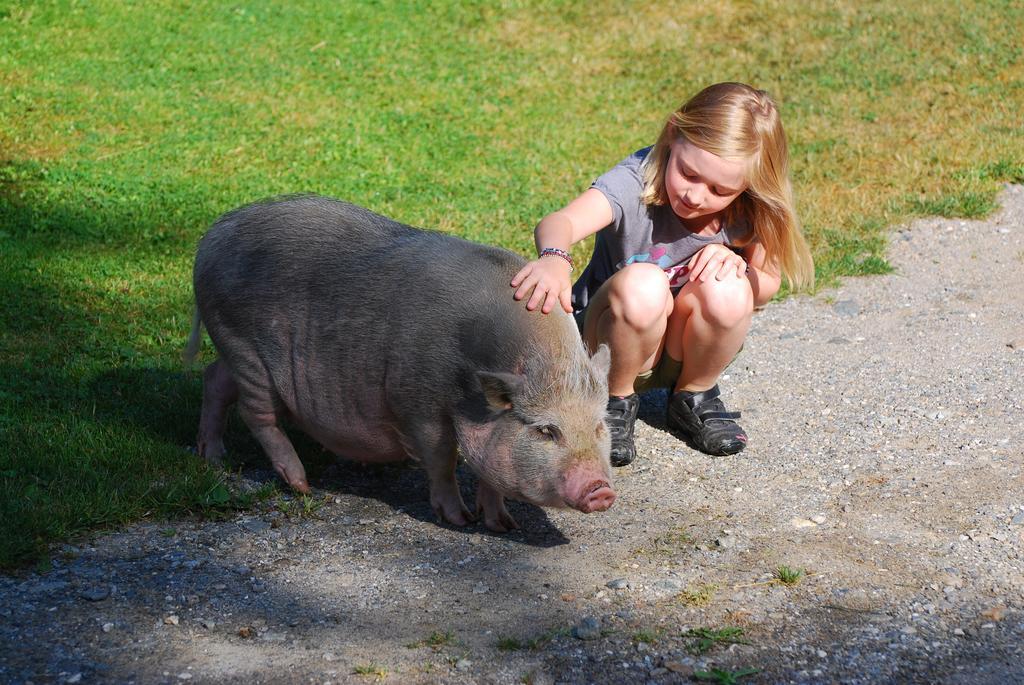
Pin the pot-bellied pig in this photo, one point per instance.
(385, 342)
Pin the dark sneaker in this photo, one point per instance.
(621, 418)
(704, 423)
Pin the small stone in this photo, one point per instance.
(208, 624)
(726, 542)
(658, 671)
(958, 631)
(328, 656)
(677, 667)
(480, 589)
(802, 523)
(255, 525)
(668, 585)
(568, 597)
(1018, 520)
(846, 308)
(96, 594)
(107, 627)
(172, 620)
(587, 629)
(819, 519)
(822, 654)
(76, 678)
(463, 665)
(838, 340)
(996, 613)
(617, 584)
(246, 632)
(185, 676)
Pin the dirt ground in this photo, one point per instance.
(885, 463)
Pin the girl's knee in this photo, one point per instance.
(639, 295)
(725, 303)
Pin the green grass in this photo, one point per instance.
(128, 127)
(724, 676)
(702, 640)
(788, 576)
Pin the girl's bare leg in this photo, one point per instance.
(629, 313)
(707, 328)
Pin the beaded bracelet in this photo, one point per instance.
(558, 253)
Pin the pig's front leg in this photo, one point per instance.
(438, 454)
(491, 504)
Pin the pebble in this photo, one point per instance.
(208, 624)
(1018, 520)
(96, 594)
(668, 585)
(463, 665)
(185, 676)
(681, 668)
(819, 519)
(587, 629)
(726, 542)
(107, 627)
(846, 308)
(172, 620)
(255, 525)
(802, 523)
(480, 589)
(617, 584)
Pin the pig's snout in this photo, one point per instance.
(600, 498)
(587, 492)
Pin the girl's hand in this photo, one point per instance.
(548, 278)
(716, 261)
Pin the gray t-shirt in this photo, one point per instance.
(641, 233)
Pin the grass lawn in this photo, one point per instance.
(126, 128)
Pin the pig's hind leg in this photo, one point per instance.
(219, 393)
(278, 447)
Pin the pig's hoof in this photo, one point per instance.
(502, 522)
(457, 515)
(212, 452)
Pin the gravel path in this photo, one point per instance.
(885, 462)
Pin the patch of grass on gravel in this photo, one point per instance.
(724, 676)
(788, 576)
(699, 595)
(128, 127)
(702, 640)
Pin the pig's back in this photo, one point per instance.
(345, 316)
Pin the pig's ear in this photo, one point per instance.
(501, 389)
(602, 361)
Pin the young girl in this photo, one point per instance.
(693, 233)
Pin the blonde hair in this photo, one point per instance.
(735, 121)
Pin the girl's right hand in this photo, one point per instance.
(548, 278)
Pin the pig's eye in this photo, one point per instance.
(549, 432)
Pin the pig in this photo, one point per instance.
(385, 342)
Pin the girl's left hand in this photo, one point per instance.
(716, 261)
